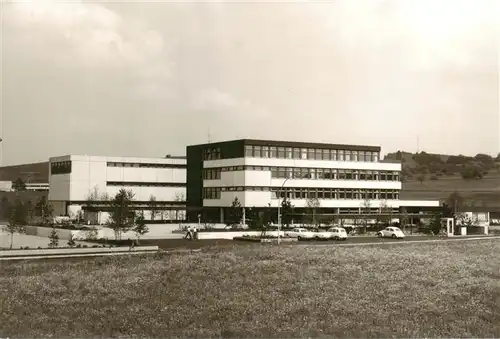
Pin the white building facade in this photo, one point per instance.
(76, 179)
(261, 173)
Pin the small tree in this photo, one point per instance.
(385, 217)
(121, 218)
(44, 209)
(19, 185)
(16, 219)
(71, 240)
(312, 205)
(403, 220)
(153, 207)
(366, 207)
(286, 212)
(235, 213)
(30, 212)
(54, 238)
(140, 227)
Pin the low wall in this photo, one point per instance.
(231, 235)
(74, 251)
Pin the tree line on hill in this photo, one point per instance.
(422, 165)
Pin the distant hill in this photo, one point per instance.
(436, 176)
(33, 173)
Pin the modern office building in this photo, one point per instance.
(260, 173)
(76, 179)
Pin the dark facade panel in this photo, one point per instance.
(241, 143)
(194, 198)
(297, 144)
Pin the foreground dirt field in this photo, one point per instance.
(421, 290)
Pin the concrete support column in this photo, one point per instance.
(222, 215)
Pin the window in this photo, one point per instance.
(341, 174)
(340, 155)
(349, 175)
(248, 151)
(288, 172)
(362, 175)
(341, 193)
(311, 154)
(313, 193)
(321, 194)
(320, 173)
(305, 173)
(347, 155)
(281, 172)
(333, 154)
(327, 173)
(328, 194)
(303, 153)
(257, 151)
(312, 171)
(265, 151)
(375, 156)
(383, 176)
(296, 153)
(369, 157)
(281, 152)
(319, 154)
(296, 173)
(289, 153)
(274, 152)
(326, 154)
(355, 156)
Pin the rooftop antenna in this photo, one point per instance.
(209, 136)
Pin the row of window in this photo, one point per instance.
(307, 173)
(308, 193)
(145, 184)
(144, 165)
(60, 167)
(211, 154)
(310, 154)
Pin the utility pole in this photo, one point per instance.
(418, 144)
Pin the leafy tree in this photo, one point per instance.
(71, 240)
(121, 217)
(16, 219)
(4, 208)
(421, 178)
(30, 212)
(385, 217)
(19, 185)
(44, 209)
(312, 205)
(140, 227)
(153, 207)
(179, 197)
(472, 172)
(92, 234)
(366, 207)
(235, 213)
(435, 225)
(286, 212)
(455, 202)
(54, 238)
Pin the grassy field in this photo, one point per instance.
(422, 290)
(485, 191)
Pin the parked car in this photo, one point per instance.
(337, 233)
(322, 235)
(391, 232)
(300, 233)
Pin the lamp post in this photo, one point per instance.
(279, 209)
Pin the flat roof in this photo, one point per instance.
(297, 144)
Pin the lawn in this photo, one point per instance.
(422, 290)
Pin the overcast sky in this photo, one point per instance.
(146, 78)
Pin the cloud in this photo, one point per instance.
(82, 32)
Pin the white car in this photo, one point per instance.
(391, 232)
(300, 234)
(323, 235)
(337, 233)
